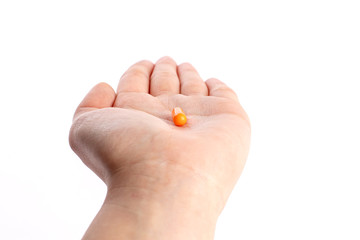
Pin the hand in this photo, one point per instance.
(129, 140)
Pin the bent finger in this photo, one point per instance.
(190, 81)
(136, 78)
(219, 89)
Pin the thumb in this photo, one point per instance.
(100, 96)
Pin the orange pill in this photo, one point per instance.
(178, 116)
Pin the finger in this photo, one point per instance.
(100, 96)
(136, 78)
(164, 79)
(219, 89)
(190, 81)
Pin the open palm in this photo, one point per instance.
(130, 135)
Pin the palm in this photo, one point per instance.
(137, 130)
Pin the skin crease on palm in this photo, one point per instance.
(129, 140)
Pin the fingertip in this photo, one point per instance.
(101, 95)
(212, 81)
(104, 86)
(186, 66)
(145, 62)
(166, 59)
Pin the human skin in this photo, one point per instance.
(163, 181)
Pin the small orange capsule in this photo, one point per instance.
(178, 116)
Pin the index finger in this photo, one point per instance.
(136, 78)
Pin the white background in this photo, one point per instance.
(294, 64)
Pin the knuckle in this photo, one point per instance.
(164, 75)
(192, 87)
(77, 131)
(135, 72)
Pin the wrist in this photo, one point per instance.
(169, 207)
(168, 204)
(145, 216)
